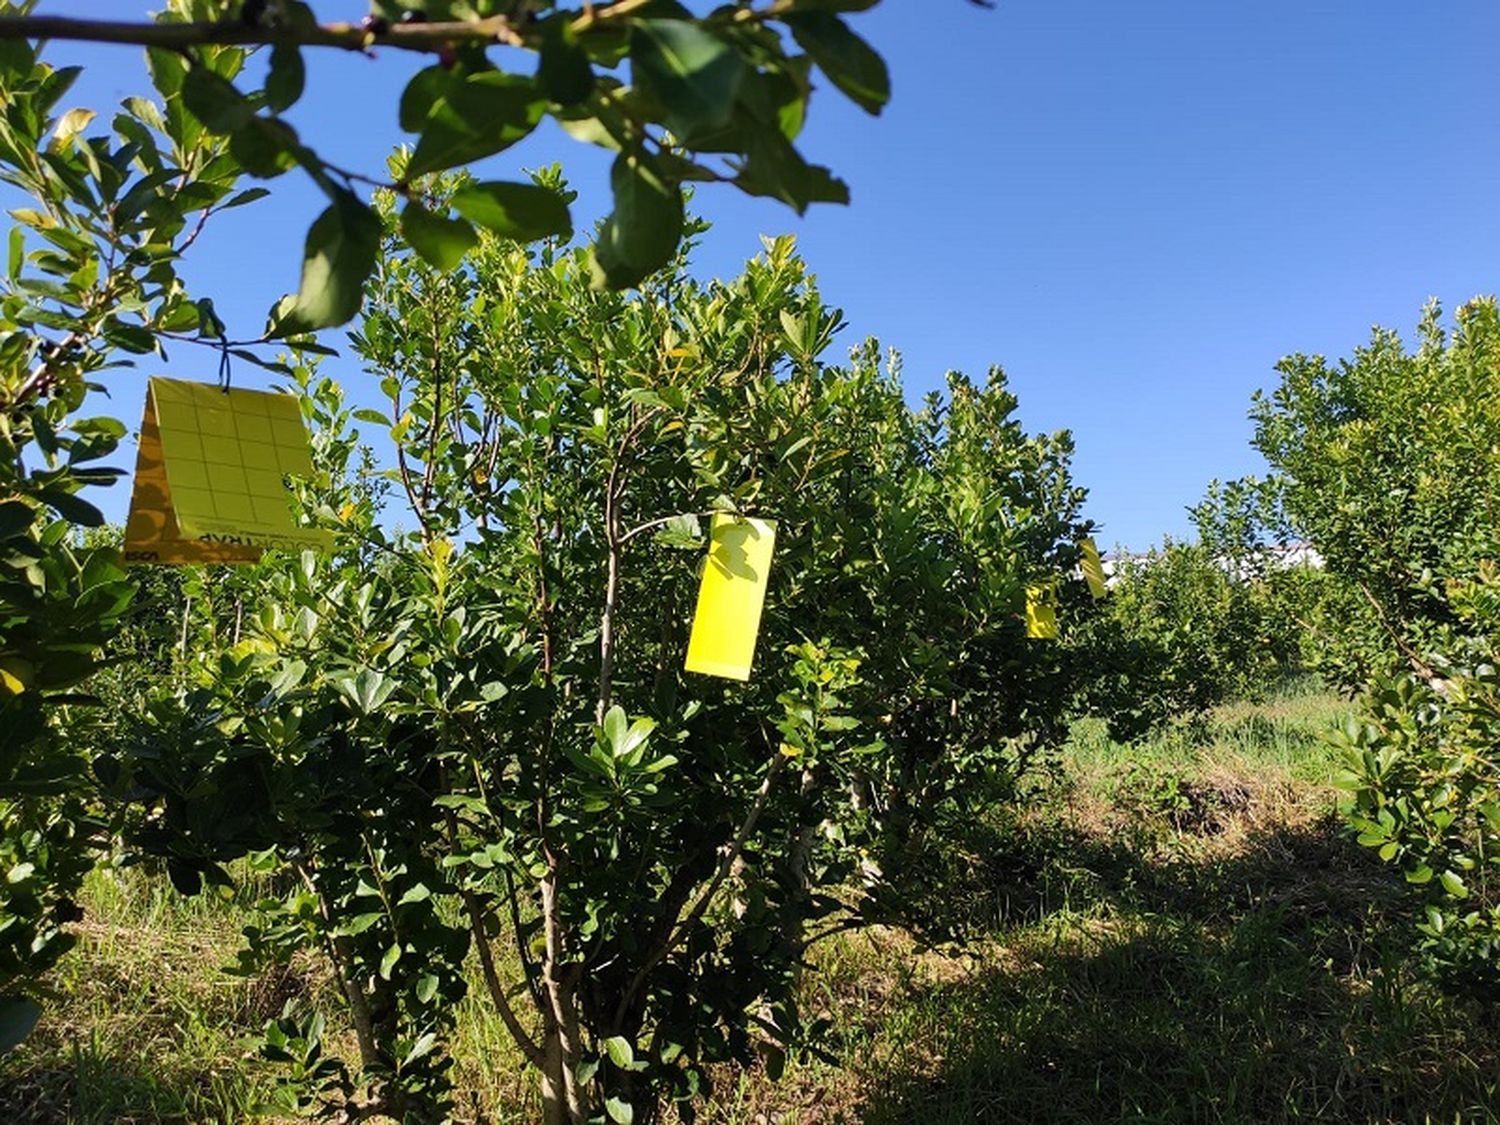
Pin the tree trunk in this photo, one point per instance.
(554, 1097)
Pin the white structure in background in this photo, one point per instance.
(1281, 556)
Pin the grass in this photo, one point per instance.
(1176, 931)
(145, 1027)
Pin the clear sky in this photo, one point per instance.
(1134, 208)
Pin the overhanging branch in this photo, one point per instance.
(424, 37)
(430, 38)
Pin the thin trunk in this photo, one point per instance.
(800, 860)
(607, 634)
(559, 987)
(340, 953)
(554, 1100)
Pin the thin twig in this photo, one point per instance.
(1420, 666)
(651, 524)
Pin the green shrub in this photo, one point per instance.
(1424, 790)
(1183, 628)
(479, 731)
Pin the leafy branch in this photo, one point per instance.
(735, 84)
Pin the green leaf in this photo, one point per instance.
(427, 988)
(168, 70)
(441, 241)
(620, 1052)
(286, 78)
(418, 893)
(16, 58)
(619, 1111)
(366, 691)
(421, 1048)
(564, 73)
(17, 251)
(15, 517)
(775, 1062)
(780, 96)
(53, 86)
(70, 507)
(1453, 884)
(850, 63)
(775, 169)
(265, 148)
(693, 74)
(524, 212)
(18, 1016)
(482, 115)
(626, 742)
(388, 962)
(214, 101)
(129, 337)
(422, 92)
(685, 532)
(615, 724)
(342, 248)
(643, 232)
(249, 195)
(359, 923)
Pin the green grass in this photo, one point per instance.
(145, 1027)
(1176, 931)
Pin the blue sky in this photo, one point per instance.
(1134, 208)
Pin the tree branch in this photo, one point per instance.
(650, 525)
(428, 38)
(424, 37)
(1420, 666)
(527, 1045)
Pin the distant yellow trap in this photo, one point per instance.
(1093, 567)
(209, 472)
(1041, 614)
(731, 597)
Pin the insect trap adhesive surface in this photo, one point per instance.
(731, 596)
(209, 472)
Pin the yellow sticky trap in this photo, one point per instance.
(731, 596)
(208, 479)
(1041, 616)
(1093, 567)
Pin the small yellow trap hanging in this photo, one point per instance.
(1093, 567)
(731, 596)
(209, 474)
(1041, 615)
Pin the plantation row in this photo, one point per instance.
(464, 731)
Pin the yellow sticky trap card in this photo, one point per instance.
(1093, 567)
(1041, 615)
(731, 597)
(208, 475)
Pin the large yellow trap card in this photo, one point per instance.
(209, 484)
(1093, 567)
(1041, 614)
(731, 597)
